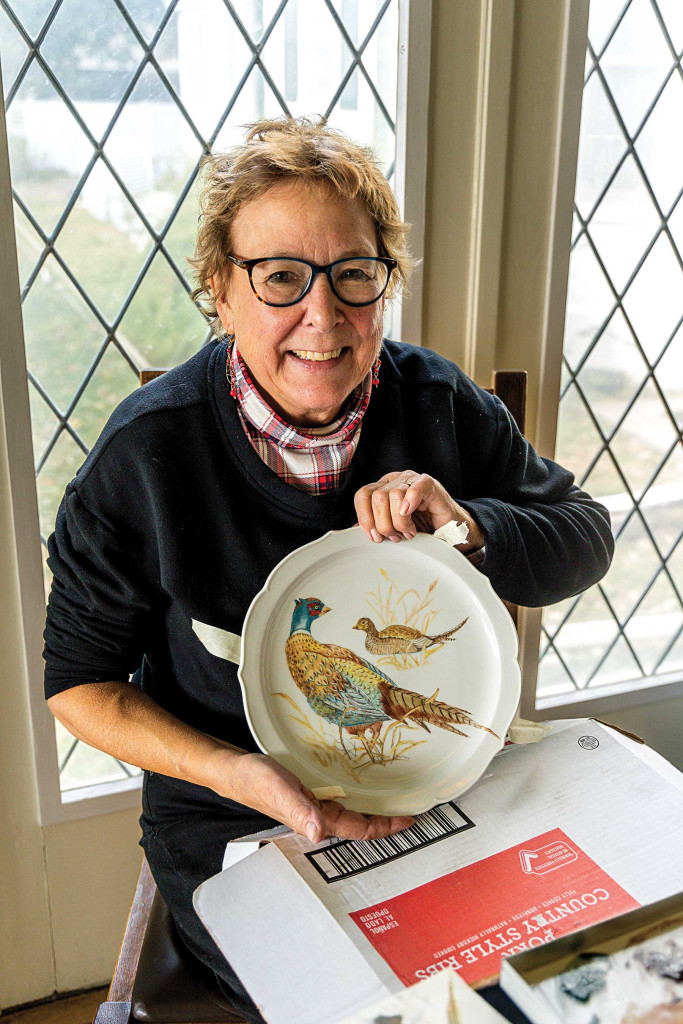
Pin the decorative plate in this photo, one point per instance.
(389, 670)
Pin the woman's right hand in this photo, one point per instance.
(118, 718)
(262, 783)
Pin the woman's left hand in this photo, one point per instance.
(401, 504)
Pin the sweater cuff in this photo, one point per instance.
(500, 544)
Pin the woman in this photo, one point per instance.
(266, 439)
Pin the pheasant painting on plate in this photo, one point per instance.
(356, 697)
(387, 671)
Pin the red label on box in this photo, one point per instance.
(470, 919)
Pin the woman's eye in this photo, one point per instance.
(354, 274)
(281, 277)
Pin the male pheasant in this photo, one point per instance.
(349, 692)
(396, 639)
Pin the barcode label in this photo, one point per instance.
(347, 857)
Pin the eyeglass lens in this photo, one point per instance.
(280, 282)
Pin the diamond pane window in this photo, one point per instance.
(111, 105)
(621, 405)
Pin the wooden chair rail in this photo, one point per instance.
(117, 1008)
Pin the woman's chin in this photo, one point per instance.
(314, 394)
(316, 389)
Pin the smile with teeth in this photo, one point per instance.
(316, 357)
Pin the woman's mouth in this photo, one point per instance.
(316, 357)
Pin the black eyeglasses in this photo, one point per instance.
(277, 281)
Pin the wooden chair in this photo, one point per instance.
(511, 386)
(156, 979)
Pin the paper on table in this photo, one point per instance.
(442, 999)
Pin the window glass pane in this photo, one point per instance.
(110, 107)
(621, 408)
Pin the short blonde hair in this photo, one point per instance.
(301, 148)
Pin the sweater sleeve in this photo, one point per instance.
(98, 607)
(545, 538)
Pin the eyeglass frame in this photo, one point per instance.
(316, 268)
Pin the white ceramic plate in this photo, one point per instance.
(394, 766)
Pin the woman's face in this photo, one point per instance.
(306, 222)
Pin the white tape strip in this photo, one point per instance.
(217, 641)
(329, 793)
(523, 731)
(453, 533)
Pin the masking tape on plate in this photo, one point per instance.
(453, 533)
(523, 731)
(329, 793)
(217, 641)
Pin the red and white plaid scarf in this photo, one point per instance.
(312, 459)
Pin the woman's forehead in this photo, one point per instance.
(294, 217)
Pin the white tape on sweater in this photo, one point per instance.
(217, 641)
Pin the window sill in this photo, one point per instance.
(617, 697)
(87, 801)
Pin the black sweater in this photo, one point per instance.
(174, 517)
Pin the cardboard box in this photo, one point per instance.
(555, 837)
(630, 964)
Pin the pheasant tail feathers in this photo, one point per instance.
(401, 703)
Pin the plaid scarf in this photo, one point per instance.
(312, 459)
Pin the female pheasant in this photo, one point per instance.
(349, 692)
(396, 639)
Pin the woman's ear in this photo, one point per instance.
(220, 298)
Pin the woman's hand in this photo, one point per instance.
(118, 718)
(401, 504)
(260, 782)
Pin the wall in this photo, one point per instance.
(25, 949)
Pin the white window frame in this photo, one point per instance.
(620, 696)
(415, 18)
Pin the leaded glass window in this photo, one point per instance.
(621, 406)
(111, 105)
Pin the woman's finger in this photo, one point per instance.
(401, 521)
(307, 819)
(382, 512)
(362, 501)
(364, 510)
(378, 507)
(427, 494)
(352, 825)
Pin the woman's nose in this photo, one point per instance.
(322, 306)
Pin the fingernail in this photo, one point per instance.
(405, 508)
(408, 535)
(377, 537)
(396, 537)
(311, 831)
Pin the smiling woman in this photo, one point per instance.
(306, 357)
(280, 430)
